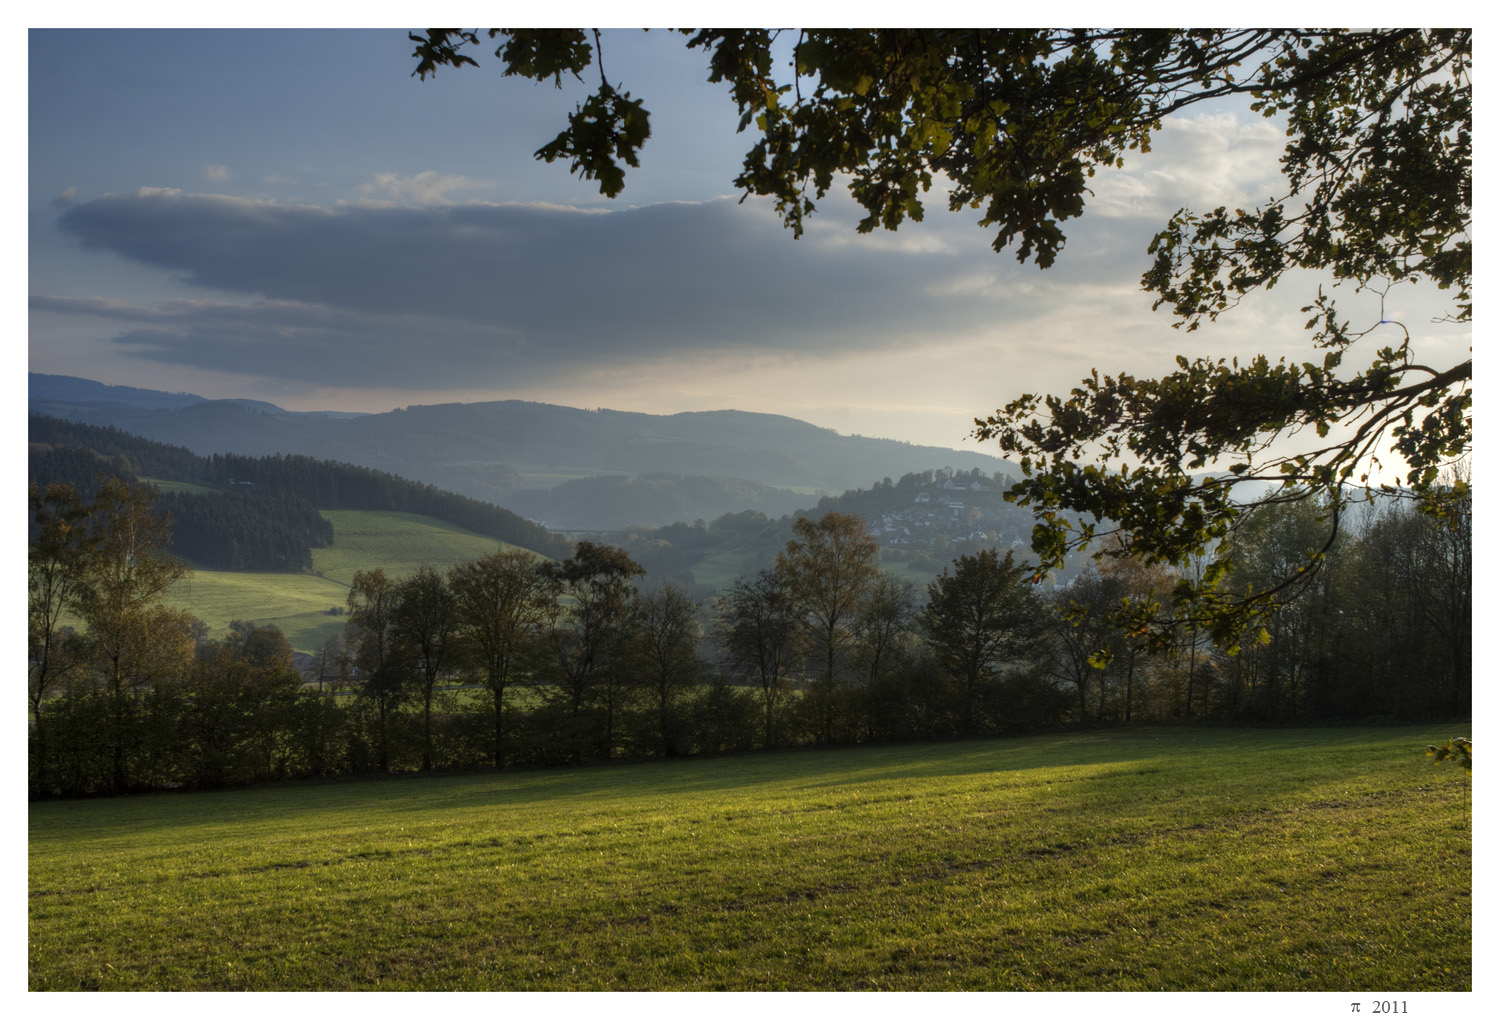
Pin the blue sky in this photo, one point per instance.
(289, 215)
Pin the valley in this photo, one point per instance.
(699, 532)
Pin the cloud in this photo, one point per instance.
(66, 199)
(426, 188)
(1198, 162)
(307, 343)
(475, 293)
(216, 172)
(104, 308)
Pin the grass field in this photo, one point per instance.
(721, 571)
(166, 486)
(1163, 859)
(400, 543)
(298, 603)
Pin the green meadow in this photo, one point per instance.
(299, 604)
(169, 486)
(1151, 859)
(721, 571)
(400, 543)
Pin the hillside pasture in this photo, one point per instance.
(1151, 859)
(299, 604)
(185, 487)
(720, 571)
(399, 543)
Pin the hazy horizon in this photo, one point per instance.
(972, 447)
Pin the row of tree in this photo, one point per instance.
(512, 659)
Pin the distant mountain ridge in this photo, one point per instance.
(521, 452)
(69, 389)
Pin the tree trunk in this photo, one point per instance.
(499, 729)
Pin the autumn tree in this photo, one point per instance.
(1270, 544)
(665, 636)
(137, 639)
(263, 646)
(1093, 640)
(829, 568)
(505, 603)
(57, 568)
(1015, 123)
(239, 703)
(1386, 629)
(370, 634)
(1438, 578)
(589, 642)
(884, 623)
(1132, 584)
(759, 633)
(424, 624)
(883, 632)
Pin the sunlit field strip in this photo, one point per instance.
(299, 604)
(1227, 859)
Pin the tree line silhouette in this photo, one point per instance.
(515, 660)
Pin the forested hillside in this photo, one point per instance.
(921, 523)
(257, 512)
(615, 502)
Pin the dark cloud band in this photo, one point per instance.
(466, 294)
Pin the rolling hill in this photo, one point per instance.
(363, 519)
(685, 466)
(308, 607)
(75, 454)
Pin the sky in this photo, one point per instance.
(292, 216)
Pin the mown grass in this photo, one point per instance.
(189, 487)
(399, 543)
(297, 603)
(1201, 860)
(721, 570)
